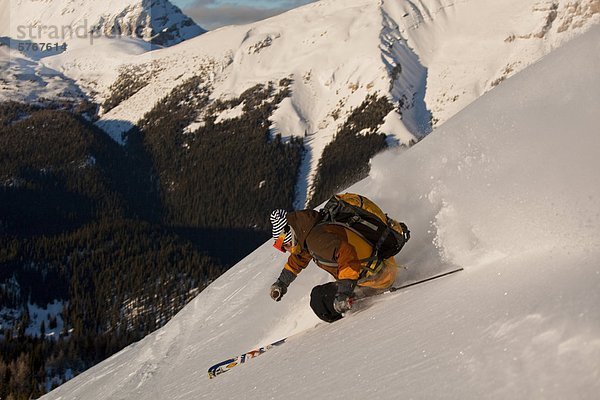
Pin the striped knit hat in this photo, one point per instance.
(279, 222)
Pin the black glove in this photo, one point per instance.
(344, 296)
(405, 231)
(279, 288)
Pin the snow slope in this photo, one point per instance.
(27, 80)
(508, 189)
(61, 49)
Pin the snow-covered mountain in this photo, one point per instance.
(508, 189)
(96, 37)
(156, 21)
(430, 58)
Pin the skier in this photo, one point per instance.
(334, 248)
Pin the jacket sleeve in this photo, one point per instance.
(297, 262)
(348, 262)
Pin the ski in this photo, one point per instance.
(225, 366)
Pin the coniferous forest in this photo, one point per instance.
(346, 159)
(122, 237)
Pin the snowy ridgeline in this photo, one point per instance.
(508, 189)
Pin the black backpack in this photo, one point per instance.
(359, 214)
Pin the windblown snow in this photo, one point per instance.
(508, 189)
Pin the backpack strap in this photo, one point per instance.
(346, 226)
(330, 263)
(329, 211)
(382, 238)
(371, 269)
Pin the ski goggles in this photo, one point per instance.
(280, 241)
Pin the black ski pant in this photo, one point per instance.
(321, 301)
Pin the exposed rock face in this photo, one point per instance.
(155, 21)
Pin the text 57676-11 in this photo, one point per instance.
(26, 47)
